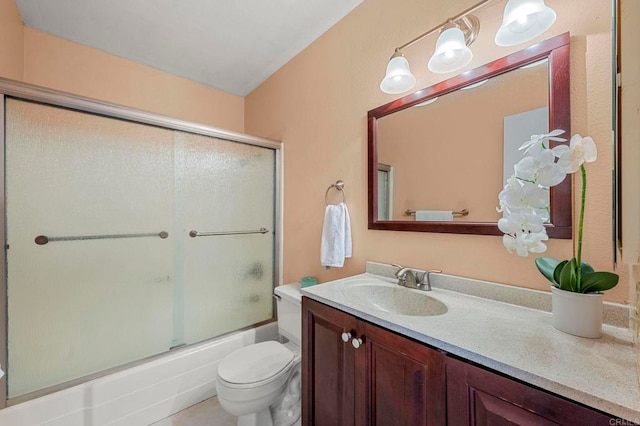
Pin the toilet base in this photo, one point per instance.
(261, 418)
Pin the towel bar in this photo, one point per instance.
(463, 212)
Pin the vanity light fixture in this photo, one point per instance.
(523, 20)
(398, 78)
(452, 48)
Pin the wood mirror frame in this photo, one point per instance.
(556, 50)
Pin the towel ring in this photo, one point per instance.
(339, 185)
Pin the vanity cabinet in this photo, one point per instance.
(477, 397)
(328, 364)
(356, 373)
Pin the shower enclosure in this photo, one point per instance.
(127, 235)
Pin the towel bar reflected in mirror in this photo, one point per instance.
(463, 212)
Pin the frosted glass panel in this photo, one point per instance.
(228, 280)
(78, 307)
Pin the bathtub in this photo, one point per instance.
(139, 395)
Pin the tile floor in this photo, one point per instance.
(206, 413)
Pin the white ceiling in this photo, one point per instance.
(232, 45)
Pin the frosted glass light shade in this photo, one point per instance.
(451, 52)
(398, 78)
(524, 20)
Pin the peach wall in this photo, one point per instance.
(318, 102)
(60, 64)
(11, 41)
(421, 142)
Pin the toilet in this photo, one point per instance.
(260, 383)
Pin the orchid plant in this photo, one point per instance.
(525, 206)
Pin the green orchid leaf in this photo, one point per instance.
(586, 269)
(568, 276)
(556, 272)
(546, 266)
(598, 281)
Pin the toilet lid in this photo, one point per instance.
(255, 363)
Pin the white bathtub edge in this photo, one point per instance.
(145, 393)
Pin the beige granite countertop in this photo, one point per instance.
(514, 340)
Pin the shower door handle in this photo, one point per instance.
(43, 239)
(195, 233)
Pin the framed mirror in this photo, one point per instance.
(439, 157)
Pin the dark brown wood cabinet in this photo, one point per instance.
(356, 373)
(477, 397)
(328, 378)
(403, 382)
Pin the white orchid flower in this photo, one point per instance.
(524, 199)
(509, 243)
(540, 168)
(526, 243)
(551, 175)
(505, 195)
(533, 196)
(527, 169)
(525, 196)
(580, 150)
(536, 142)
(521, 223)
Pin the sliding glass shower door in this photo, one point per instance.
(102, 269)
(228, 280)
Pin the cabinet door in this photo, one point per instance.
(327, 366)
(400, 382)
(477, 397)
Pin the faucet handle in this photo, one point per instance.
(425, 277)
(400, 268)
(432, 271)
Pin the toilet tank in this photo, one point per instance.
(290, 312)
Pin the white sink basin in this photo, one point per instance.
(394, 299)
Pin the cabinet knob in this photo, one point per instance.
(346, 337)
(356, 342)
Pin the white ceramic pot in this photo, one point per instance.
(577, 313)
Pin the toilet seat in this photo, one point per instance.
(256, 365)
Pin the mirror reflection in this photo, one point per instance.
(453, 153)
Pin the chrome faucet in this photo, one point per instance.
(409, 278)
(406, 277)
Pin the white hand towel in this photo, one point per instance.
(335, 245)
(434, 216)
